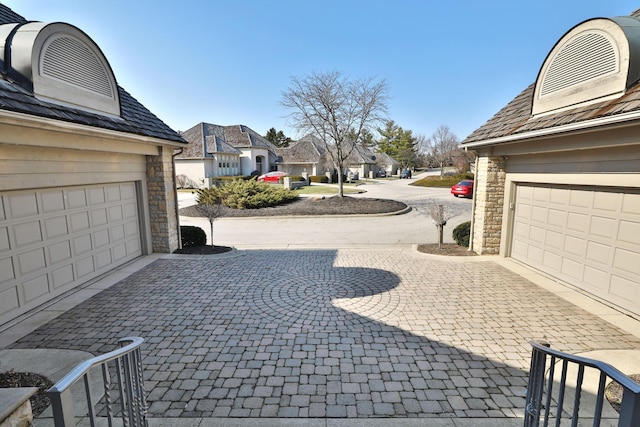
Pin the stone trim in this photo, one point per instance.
(489, 203)
(162, 202)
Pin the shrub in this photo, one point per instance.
(295, 178)
(252, 194)
(183, 181)
(447, 181)
(323, 179)
(192, 236)
(461, 233)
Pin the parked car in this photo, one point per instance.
(272, 176)
(463, 188)
(406, 173)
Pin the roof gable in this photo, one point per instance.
(134, 117)
(517, 119)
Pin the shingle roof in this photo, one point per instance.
(307, 150)
(515, 118)
(135, 118)
(205, 139)
(241, 136)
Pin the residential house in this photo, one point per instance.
(306, 156)
(86, 171)
(558, 168)
(215, 151)
(309, 155)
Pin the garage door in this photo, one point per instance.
(586, 236)
(55, 239)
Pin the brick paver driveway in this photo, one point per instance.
(330, 333)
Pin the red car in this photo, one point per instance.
(463, 188)
(271, 176)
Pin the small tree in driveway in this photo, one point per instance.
(440, 213)
(209, 205)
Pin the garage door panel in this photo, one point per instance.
(101, 238)
(22, 206)
(540, 194)
(84, 267)
(103, 259)
(59, 252)
(4, 239)
(27, 233)
(9, 300)
(96, 196)
(606, 202)
(631, 204)
(554, 239)
(604, 227)
(575, 245)
(52, 201)
(596, 278)
(99, 217)
(597, 249)
(599, 252)
(6, 271)
(625, 289)
(629, 231)
(79, 221)
(577, 221)
(55, 227)
(552, 261)
(557, 218)
(539, 214)
(626, 260)
(81, 245)
(30, 261)
(62, 277)
(580, 199)
(35, 288)
(76, 199)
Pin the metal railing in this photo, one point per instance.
(546, 394)
(123, 387)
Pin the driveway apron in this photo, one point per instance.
(330, 333)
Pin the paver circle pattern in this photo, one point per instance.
(310, 300)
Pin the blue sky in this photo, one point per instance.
(453, 63)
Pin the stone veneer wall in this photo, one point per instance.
(487, 228)
(162, 202)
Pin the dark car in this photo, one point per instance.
(406, 173)
(463, 188)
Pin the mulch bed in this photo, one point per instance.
(613, 392)
(40, 400)
(203, 250)
(449, 249)
(313, 206)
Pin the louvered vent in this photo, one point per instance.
(585, 57)
(69, 60)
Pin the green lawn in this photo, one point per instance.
(328, 189)
(447, 181)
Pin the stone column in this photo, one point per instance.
(162, 202)
(490, 181)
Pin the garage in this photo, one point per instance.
(585, 236)
(51, 240)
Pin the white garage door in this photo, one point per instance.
(55, 239)
(589, 237)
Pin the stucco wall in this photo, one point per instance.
(489, 203)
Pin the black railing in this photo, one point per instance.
(547, 400)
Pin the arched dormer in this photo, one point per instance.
(60, 63)
(596, 60)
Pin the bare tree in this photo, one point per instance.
(209, 205)
(440, 213)
(442, 144)
(337, 110)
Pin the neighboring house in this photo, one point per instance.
(306, 156)
(309, 155)
(215, 151)
(558, 168)
(86, 172)
(387, 164)
(208, 155)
